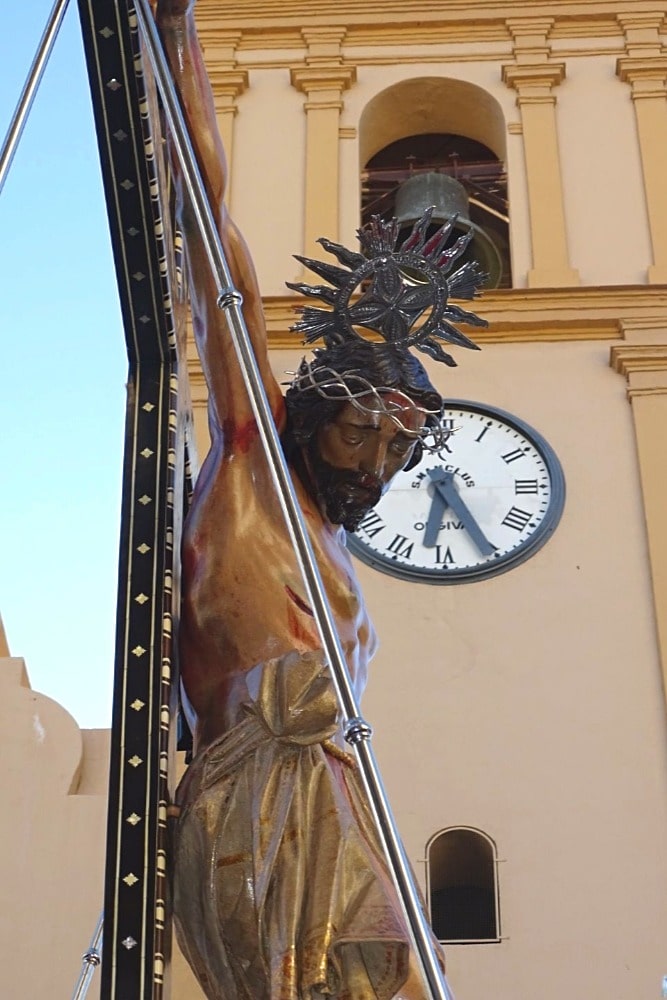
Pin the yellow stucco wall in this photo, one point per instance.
(530, 705)
(52, 831)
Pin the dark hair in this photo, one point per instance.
(384, 366)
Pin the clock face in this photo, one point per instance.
(487, 500)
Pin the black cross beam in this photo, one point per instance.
(155, 482)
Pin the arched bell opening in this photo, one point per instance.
(454, 175)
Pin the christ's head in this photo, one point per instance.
(349, 434)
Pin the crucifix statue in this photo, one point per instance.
(281, 889)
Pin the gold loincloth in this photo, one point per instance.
(280, 889)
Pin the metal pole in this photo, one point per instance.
(91, 960)
(29, 90)
(356, 730)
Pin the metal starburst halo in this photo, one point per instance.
(400, 285)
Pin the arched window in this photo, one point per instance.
(463, 886)
(418, 150)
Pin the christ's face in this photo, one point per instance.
(354, 457)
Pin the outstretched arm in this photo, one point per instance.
(227, 393)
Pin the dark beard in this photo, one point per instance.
(345, 494)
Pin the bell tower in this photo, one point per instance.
(517, 578)
(520, 716)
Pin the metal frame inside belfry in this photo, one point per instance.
(157, 436)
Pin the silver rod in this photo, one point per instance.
(15, 130)
(91, 960)
(356, 730)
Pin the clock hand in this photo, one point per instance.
(445, 486)
(438, 507)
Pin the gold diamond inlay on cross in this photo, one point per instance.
(135, 761)
(130, 879)
(141, 598)
(138, 650)
(137, 704)
(133, 819)
(144, 499)
(147, 452)
(143, 548)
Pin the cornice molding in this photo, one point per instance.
(396, 55)
(644, 63)
(616, 313)
(323, 41)
(258, 14)
(632, 69)
(523, 315)
(644, 367)
(418, 25)
(642, 32)
(276, 24)
(228, 83)
(627, 359)
(526, 77)
(312, 80)
(528, 26)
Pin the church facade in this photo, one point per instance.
(518, 708)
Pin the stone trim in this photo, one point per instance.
(322, 79)
(534, 76)
(644, 68)
(644, 366)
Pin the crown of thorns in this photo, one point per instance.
(401, 284)
(352, 387)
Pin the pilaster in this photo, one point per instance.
(642, 360)
(322, 79)
(644, 67)
(534, 77)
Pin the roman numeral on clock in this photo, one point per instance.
(445, 558)
(481, 435)
(516, 518)
(372, 524)
(525, 485)
(400, 546)
(512, 456)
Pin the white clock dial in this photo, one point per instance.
(490, 498)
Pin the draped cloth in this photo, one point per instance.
(280, 889)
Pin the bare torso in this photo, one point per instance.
(245, 601)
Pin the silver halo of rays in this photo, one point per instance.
(406, 290)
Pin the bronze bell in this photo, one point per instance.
(449, 197)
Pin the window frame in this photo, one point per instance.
(496, 883)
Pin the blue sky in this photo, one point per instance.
(63, 376)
